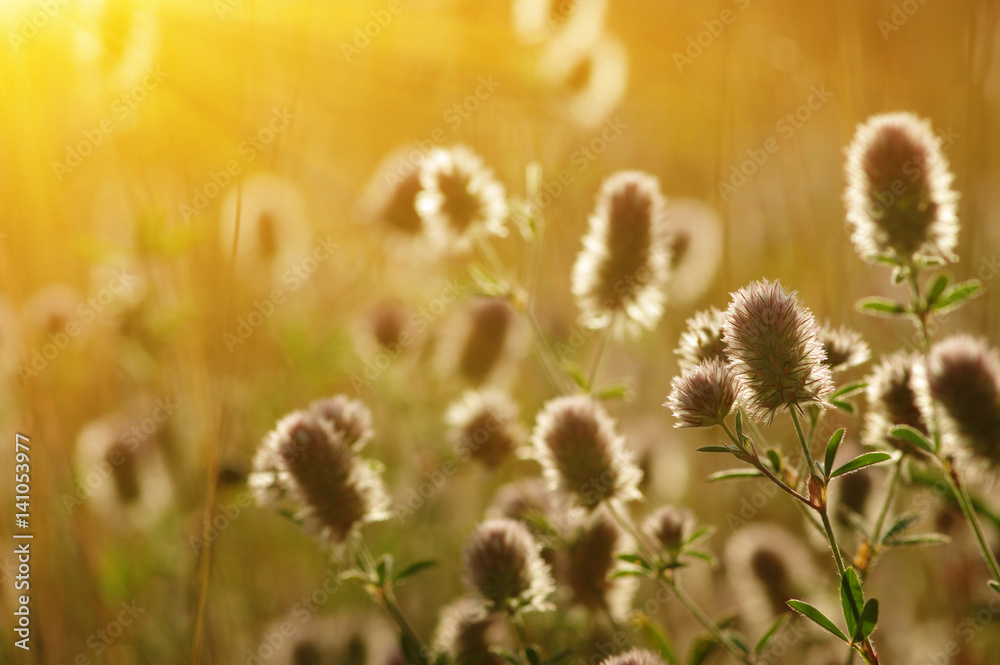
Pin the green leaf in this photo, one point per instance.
(701, 648)
(413, 569)
(628, 573)
(739, 427)
(533, 657)
(902, 523)
(771, 632)
(734, 474)
(843, 406)
(775, 458)
(862, 461)
(958, 295)
(922, 539)
(619, 390)
(383, 568)
(737, 639)
(820, 619)
(994, 585)
(717, 449)
(877, 306)
(831, 450)
(488, 283)
(869, 617)
(509, 656)
(699, 535)
(852, 599)
(659, 641)
(707, 557)
(913, 436)
(849, 389)
(937, 288)
(576, 373)
(634, 559)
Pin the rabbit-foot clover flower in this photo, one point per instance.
(484, 427)
(504, 567)
(702, 340)
(703, 395)
(582, 456)
(843, 348)
(899, 198)
(891, 402)
(623, 266)
(773, 344)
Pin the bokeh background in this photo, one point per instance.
(118, 122)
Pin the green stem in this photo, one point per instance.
(522, 635)
(602, 353)
(802, 440)
(387, 600)
(965, 501)
(764, 470)
(704, 620)
(828, 528)
(897, 470)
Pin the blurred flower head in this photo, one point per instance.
(619, 275)
(484, 426)
(694, 236)
(899, 197)
(51, 308)
(588, 75)
(892, 401)
(703, 395)
(634, 657)
(538, 20)
(843, 348)
(318, 640)
(589, 562)
(505, 568)
(962, 376)
(305, 459)
(462, 633)
(460, 198)
(702, 340)
(391, 195)
(486, 340)
(773, 344)
(349, 418)
(582, 456)
(273, 223)
(670, 525)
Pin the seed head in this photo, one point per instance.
(487, 340)
(590, 561)
(461, 633)
(843, 348)
(703, 395)
(621, 271)
(460, 198)
(582, 456)
(899, 197)
(670, 526)
(774, 348)
(305, 459)
(484, 427)
(505, 567)
(634, 657)
(962, 376)
(892, 401)
(702, 340)
(348, 418)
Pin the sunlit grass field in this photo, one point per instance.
(153, 329)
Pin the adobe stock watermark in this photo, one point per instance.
(785, 128)
(247, 151)
(86, 311)
(900, 15)
(30, 25)
(697, 44)
(293, 278)
(418, 322)
(100, 640)
(121, 109)
(131, 439)
(363, 35)
(454, 117)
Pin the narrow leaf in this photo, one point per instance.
(994, 585)
(902, 523)
(619, 390)
(881, 307)
(716, 449)
(842, 405)
(869, 617)
(659, 641)
(771, 632)
(707, 557)
(509, 656)
(533, 657)
(937, 288)
(775, 458)
(913, 436)
(577, 374)
(699, 535)
(862, 461)
(922, 539)
(849, 389)
(413, 569)
(634, 559)
(734, 474)
(958, 295)
(852, 599)
(820, 619)
(831, 450)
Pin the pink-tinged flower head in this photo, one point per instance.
(582, 456)
(891, 402)
(843, 348)
(460, 198)
(703, 395)
(484, 427)
(304, 459)
(462, 633)
(350, 418)
(774, 348)
(625, 261)
(702, 340)
(634, 657)
(670, 525)
(899, 197)
(962, 378)
(590, 561)
(505, 567)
